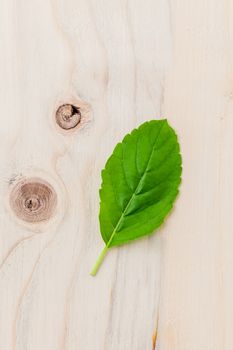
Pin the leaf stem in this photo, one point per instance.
(99, 261)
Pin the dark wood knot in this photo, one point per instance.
(68, 116)
(33, 200)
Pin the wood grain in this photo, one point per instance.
(197, 303)
(123, 62)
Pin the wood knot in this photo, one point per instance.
(68, 116)
(33, 200)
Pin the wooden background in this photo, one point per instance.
(127, 61)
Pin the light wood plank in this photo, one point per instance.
(197, 305)
(125, 62)
(112, 55)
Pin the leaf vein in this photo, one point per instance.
(133, 194)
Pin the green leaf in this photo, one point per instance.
(139, 184)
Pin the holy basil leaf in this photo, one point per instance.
(139, 184)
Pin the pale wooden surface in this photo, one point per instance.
(130, 61)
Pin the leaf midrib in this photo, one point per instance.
(133, 195)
